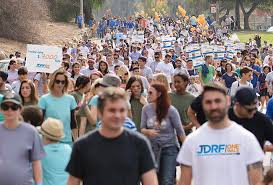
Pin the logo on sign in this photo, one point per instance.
(45, 66)
(218, 149)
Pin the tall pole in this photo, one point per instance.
(81, 12)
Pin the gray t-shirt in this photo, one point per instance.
(169, 127)
(18, 148)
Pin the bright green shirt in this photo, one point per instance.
(209, 77)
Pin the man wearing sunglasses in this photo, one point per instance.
(244, 112)
(21, 147)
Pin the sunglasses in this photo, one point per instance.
(6, 107)
(60, 81)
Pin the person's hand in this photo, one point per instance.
(143, 100)
(152, 133)
(129, 94)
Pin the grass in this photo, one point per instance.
(244, 36)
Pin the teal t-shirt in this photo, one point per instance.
(59, 108)
(54, 164)
(94, 102)
(1, 115)
(209, 77)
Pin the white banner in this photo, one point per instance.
(41, 58)
(167, 42)
(219, 52)
(138, 37)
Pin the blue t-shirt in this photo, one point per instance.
(128, 123)
(1, 115)
(229, 79)
(59, 108)
(269, 109)
(54, 164)
(255, 77)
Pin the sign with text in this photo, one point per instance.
(41, 58)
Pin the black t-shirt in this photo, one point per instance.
(260, 125)
(102, 161)
(196, 106)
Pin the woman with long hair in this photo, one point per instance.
(82, 88)
(103, 67)
(28, 93)
(135, 91)
(60, 105)
(75, 73)
(229, 76)
(12, 71)
(161, 123)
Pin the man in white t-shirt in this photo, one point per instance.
(220, 151)
(246, 76)
(166, 67)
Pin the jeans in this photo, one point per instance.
(167, 169)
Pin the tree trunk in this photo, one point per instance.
(246, 22)
(237, 15)
(87, 11)
(247, 14)
(272, 20)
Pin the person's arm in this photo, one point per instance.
(149, 178)
(73, 125)
(73, 180)
(255, 173)
(186, 175)
(91, 114)
(192, 117)
(82, 126)
(37, 171)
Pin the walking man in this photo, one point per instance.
(112, 154)
(220, 151)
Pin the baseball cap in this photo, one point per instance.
(111, 80)
(245, 96)
(52, 129)
(3, 75)
(12, 97)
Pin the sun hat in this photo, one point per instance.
(52, 129)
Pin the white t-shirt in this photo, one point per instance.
(235, 86)
(220, 156)
(167, 69)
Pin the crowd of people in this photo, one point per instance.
(122, 111)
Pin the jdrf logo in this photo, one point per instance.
(219, 149)
(43, 66)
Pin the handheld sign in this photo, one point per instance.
(45, 59)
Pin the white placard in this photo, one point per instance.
(42, 58)
(219, 52)
(167, 42)
(138, 37)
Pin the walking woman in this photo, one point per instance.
(75, 73)
(60, 105)
(103, 67)
(161, 123)
(82, 87)
(229, 77)
(28, 93)
(135, 89)
(12, 71)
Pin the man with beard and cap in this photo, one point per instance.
(244, 112)
(220, 151)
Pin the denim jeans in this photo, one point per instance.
(167, 169)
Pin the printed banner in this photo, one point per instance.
(194, 53)
(138, 37)
(219, 52)
(167, 42)
(41, 58)
(207, 49)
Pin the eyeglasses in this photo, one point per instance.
(60, 81)
(13, 107)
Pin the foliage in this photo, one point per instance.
(20, 21)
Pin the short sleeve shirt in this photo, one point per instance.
(59, 108)
(19, 147)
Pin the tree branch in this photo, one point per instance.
(242, 6)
